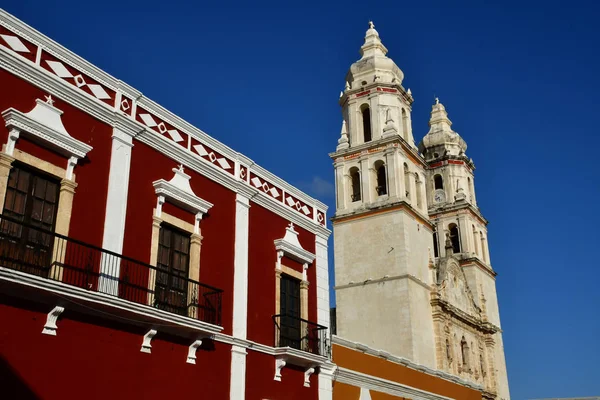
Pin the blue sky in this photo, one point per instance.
(519, 80)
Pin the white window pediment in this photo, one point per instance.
(291, 247)
(44, 124)
(179, 192)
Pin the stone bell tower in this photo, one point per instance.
(382, 234)
(460, 239)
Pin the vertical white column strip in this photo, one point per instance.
(326, 373)
(240, 297)
(116, 208)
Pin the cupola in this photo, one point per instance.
(441, 140)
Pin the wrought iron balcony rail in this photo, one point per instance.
(34, 250)
(300, 334)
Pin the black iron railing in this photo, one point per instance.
(30, 249)
(300, 334)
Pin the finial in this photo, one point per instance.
(347, 85)
(409, 92)
(291, 226)
(371, 25)
(49, 100)
(180, 167)
(437, 100)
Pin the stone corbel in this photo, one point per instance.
(197, 220)
(50, 327)
(70, 167)
(160, 200)
(279, 257)
(307, 374)
(13, 135)
(191, 356)
(279, 364)
(304, 272)
(146, 345)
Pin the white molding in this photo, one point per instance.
(191, 356)
(279, 364)
(369, 382)
(146, 341)
(74, 292)
(98, 107)
(237, 383)
(178, 190)
(291, 247)
(50, 327)
(403, 361)
(307, 373)
(47, 131)
(322, 260)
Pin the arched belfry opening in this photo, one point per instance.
(381, 187)
(355, 182)
(454, 238)
(438, 182)
(366, 120)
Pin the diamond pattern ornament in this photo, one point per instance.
(305, 210)
(59, 69)
(99, 92)
(290, 201)
(175, 135)
(15, 44)
(224, 164)
(148, 120)
(79, 81)
(256, 182)
(200, 150)
(274, 192)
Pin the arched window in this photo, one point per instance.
(471, 192)
(454, 238)
(381, 187)
(404, 125)
(407, 181)
(435, 245)
(418, 188)
(483, 249)
(438, 182)
(366, 119)
(464, 350)
(355, 178)
(475, 244)
(482, 365)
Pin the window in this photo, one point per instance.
(464, 349)
(438, 182)
(435, 245)
(381, 178)
(475, 245)
(291, 334)
(404, 125)
(355, 179)
(407, 181)
(455, 240)
(172, 269)
(31, 198)
(419, 190)
(366, 119)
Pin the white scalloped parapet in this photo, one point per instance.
(44, 122)
(292, 248)
(179, 191)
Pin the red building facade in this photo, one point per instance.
(140, 257)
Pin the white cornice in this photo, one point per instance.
(46, 80)
(402, 361)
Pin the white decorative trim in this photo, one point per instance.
(74, 292)
(291, 247)
(179, 191)
(191, 356)
(307, 373)
(44, 122)
(403, 361)
(279, 364)
(50, 327)
(101, 110)
(146, 345)
(322, 266)
(237, 383)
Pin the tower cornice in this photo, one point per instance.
(376, 87)
(382, 209)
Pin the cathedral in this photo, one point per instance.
(413, 272)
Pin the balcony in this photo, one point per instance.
(300, 334)
(54, 257)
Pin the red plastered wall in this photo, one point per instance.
(260, 368)
(265, 227)
(89, 204)
(217, 228)
(86, 360)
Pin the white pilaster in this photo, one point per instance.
(326, 381)
(322, 281)
(116, 208)
(237, 389)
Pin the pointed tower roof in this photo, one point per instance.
(374, 65)
(441, 139)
